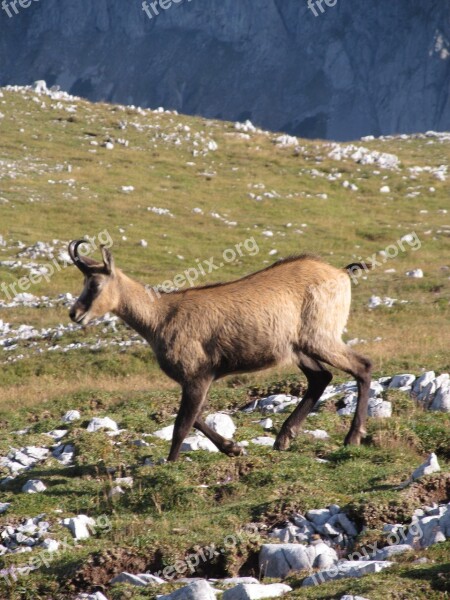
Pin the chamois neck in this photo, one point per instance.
(138, 307)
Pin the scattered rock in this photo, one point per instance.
(198, 590)
(70, 416)
(34, 486)
(402, 382)
(166, 433)
(198, 442)
(319, 434)
(98, 423)
(221, 424)
(431, 465)
(277, 560)
(94, 596)
(415, 273)
(141, 580)
(263, 441)
(347, 568)
(254, 591)
(79, 526)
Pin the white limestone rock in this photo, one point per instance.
(277, 560)
(198, 590)
(94, 596)
(166, 433)
(256, 591)
(441, 400)
(198, 442)
(262, 440)
(98, 423)
(34, 486)
(70, 416)
(79, 526)
(130, 579)
(347, 568)
(222, 424)
(430, 466)
(379, 408)
(318, 516)
(402, 382)
(318, 434)
(415, 273)
(50, 545)
(421, 383)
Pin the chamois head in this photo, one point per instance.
(99, 295)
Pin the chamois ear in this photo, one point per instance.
(108, 260)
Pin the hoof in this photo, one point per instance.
(234, 450)
(353, 440)
(282, 443)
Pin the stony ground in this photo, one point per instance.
(84, 500)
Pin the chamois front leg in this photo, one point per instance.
(192, 399)
(228, 447)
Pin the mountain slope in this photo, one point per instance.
(358, 68)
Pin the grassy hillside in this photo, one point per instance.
(61, 179)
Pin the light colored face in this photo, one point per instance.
(99, 294)
(94, 301)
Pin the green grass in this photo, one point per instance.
(174, 509)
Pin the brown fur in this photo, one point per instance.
(293, 311)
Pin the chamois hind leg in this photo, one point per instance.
(344, 358)
(224, 445)
(192, 399)
(318, 378)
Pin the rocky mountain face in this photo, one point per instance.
(358, 68)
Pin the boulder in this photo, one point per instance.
(348, 527)
(379, 408)
(254, 591)
(277, 560)
(79, 526)
(166, 433)
(198, 590)
(263, 441)
(431, 465)
(98, 423)
(319, 434)
(347, 568)
(198, 442)
(236, 580)
(221, 424)
(421, 383)
(318, 516)
(403, 382)
(441, 400)
(70, 416)
(138, 580)
(34, 486)
(40, 87)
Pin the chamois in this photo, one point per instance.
(292, 311)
